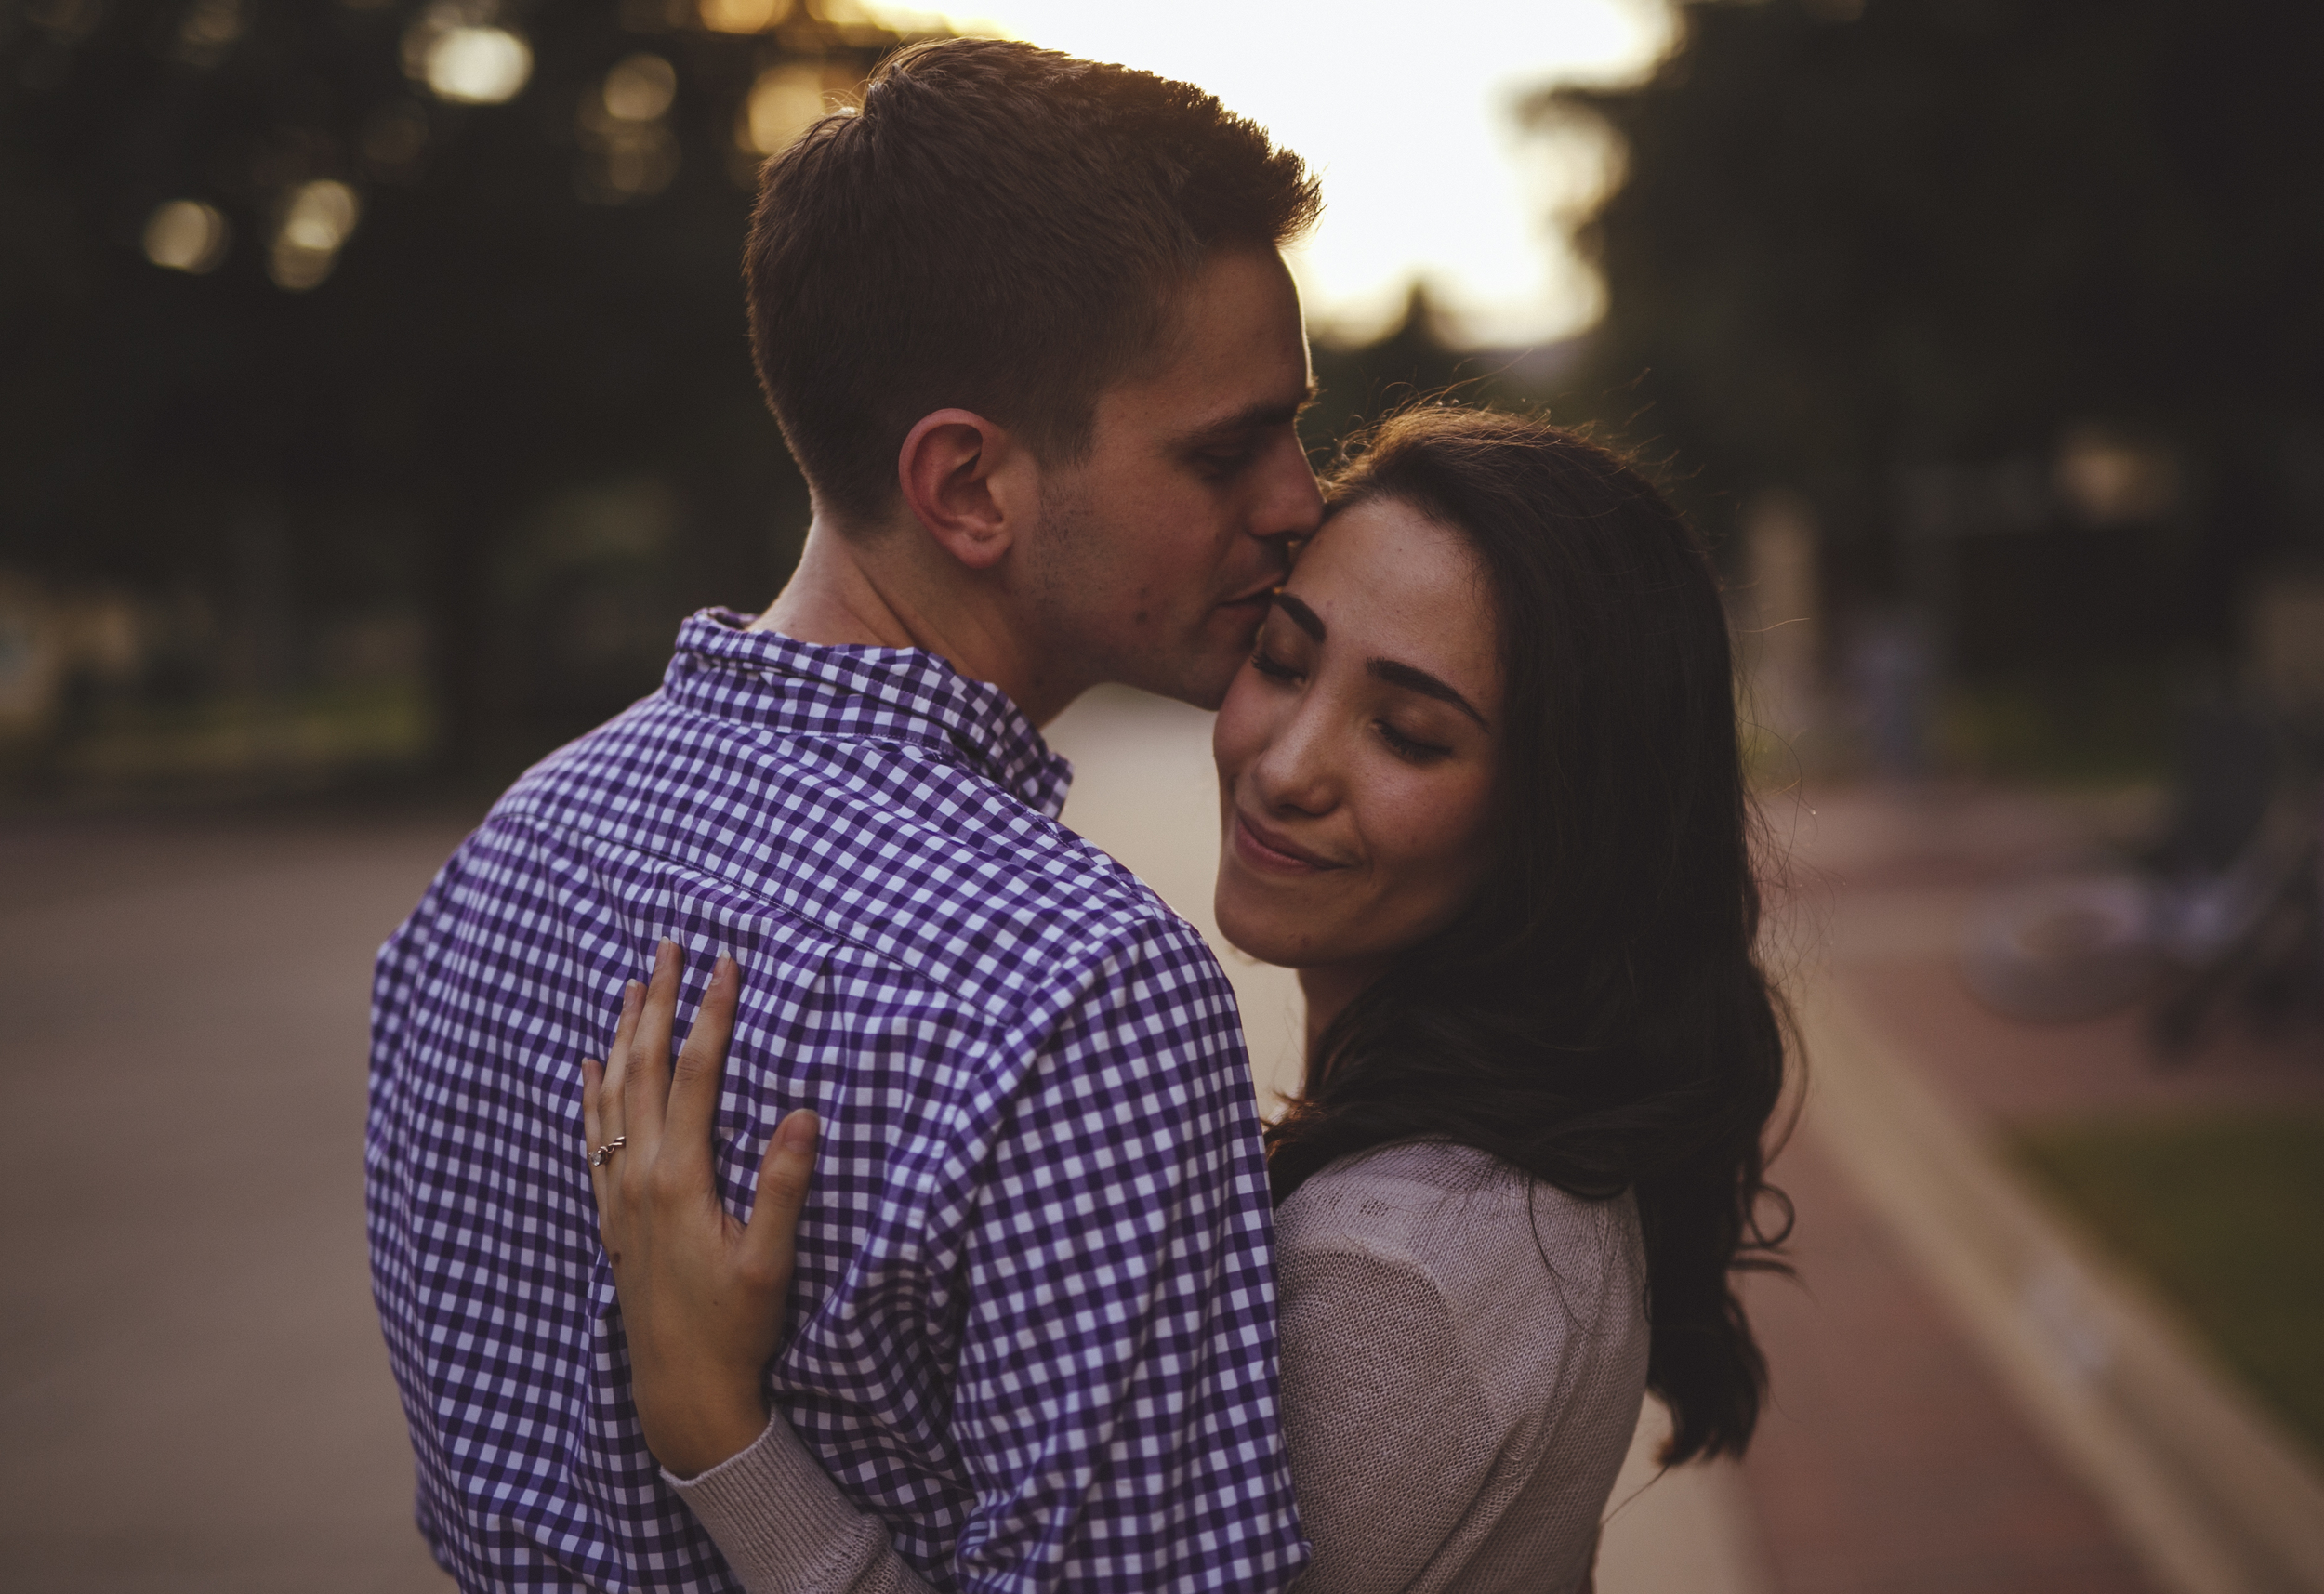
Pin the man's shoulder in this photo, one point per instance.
(891, 847)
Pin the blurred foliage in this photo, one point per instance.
(1855, 241)
(2226, 1215)
(1416, 361)
(2096, 726)
(519, 402)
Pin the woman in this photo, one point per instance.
(1479, 786)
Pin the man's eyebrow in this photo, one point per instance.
(1306, 619)
(1254, 418)
(1415, 679)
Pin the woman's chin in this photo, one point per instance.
(1258, 936)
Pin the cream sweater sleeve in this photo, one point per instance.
(784, 1527)
(1390, 1435)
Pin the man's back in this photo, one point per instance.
(1034, 1321)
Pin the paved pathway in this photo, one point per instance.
(192, 1394)
(1891, 1460)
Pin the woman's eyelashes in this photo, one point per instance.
(1273, 668)
(1409, 748)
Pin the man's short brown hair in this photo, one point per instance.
(999, 228)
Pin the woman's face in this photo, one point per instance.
(1356, 749)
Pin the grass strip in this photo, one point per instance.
(2223, 1215)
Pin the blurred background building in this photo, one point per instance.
(374, 400)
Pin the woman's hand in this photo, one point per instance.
(701, 1295)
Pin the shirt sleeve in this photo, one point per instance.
(1115, 1402)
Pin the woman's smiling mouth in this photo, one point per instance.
(1265, 849)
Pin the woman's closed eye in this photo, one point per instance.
(1409, 748)
(1273, 668)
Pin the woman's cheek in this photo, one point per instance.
(1240, 729)
(1438, 830)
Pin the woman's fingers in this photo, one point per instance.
(609, 1102)
(593, 1076)
(592, 1132)
(645, 1082)
(769, 1240)
(693, 1092)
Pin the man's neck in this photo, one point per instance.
(853, 593)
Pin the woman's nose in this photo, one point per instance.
(1296, 772)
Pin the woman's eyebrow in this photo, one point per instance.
(1415, 679)
(1306, 619)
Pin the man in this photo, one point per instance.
(1025, 325)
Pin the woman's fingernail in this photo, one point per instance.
(797, 1130)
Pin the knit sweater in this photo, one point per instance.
(1464, 1351)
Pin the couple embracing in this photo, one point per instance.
(951, 1251)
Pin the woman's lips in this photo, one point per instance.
(1264, 849)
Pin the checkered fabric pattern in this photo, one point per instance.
(1034, 1320)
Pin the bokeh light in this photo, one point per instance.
(627, 152)
(742, 16)
(477, 66)
(316, 222)
(185, 235)
(639, 88)
(783, 102)
(208, 27)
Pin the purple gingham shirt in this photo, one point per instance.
(1034, 1319)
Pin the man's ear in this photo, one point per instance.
(971, 485)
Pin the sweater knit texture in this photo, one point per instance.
(1464, 1351)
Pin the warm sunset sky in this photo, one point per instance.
(1406, 109)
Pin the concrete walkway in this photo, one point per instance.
(192, 1393)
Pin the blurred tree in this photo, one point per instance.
(1359, 383)
(333, 298)
(1416, 360)
(1859, 244)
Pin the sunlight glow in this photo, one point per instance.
(1409, 114)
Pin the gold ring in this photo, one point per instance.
(604, 1154)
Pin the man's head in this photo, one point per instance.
(1071, 268)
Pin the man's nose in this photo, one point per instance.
(1290, 506)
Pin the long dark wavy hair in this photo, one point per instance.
(1597, 1018)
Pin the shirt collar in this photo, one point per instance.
(724, 669)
